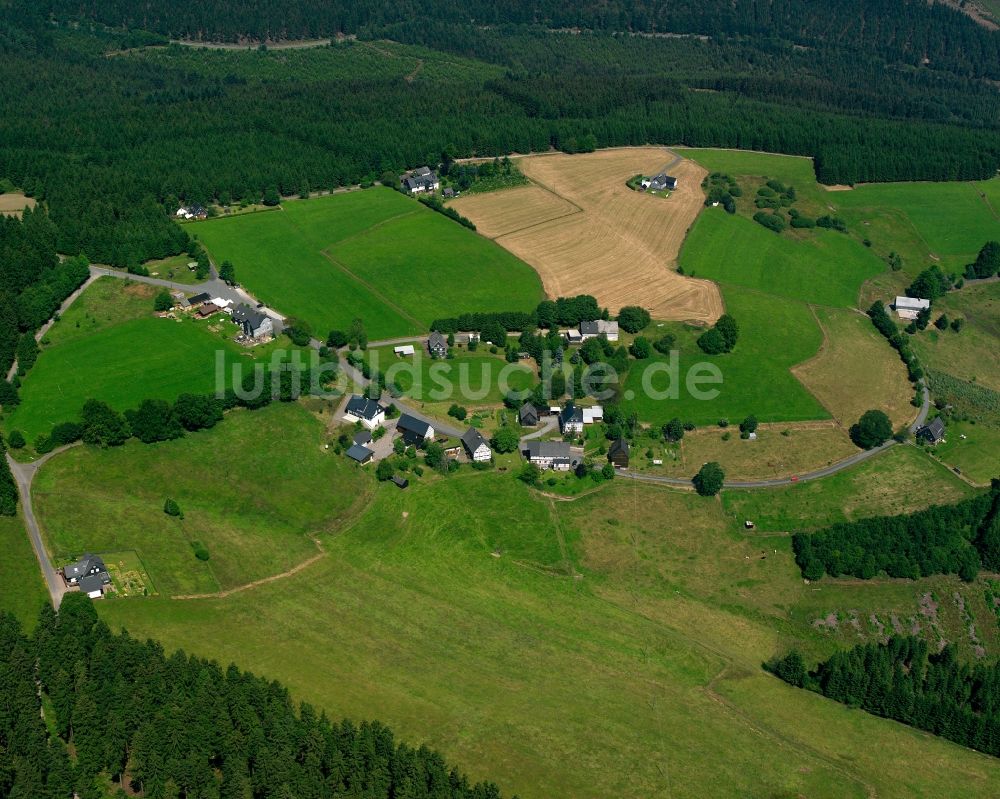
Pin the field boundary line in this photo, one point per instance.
(375, 292)
(986, 199)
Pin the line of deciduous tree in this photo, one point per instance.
(121, 713)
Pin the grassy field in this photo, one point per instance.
(977, 454)
(828, 268)
(371, 254)
(498, 635)
(110, 346)
(775, 334)
(856, 370)
(223, 479)
(22, 591)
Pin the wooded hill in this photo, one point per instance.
(174, 726)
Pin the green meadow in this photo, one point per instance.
(252, 524)
(22, 590)
(372, 254)
(110, 346)
(775, 334)
(493, 635)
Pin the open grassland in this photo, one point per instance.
(828, 268)
(374, 255)
(22, 591)
(14, 203)
(789, 169)
(775, 334)
(122, 355)
(977, 454)
(252, 524)
(779, 451)
(498, 635)
(974, 353)
(856, 370)
(471, 379)
(619, 245)
(901, 480)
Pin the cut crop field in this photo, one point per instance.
(14, 203)
(253, 525)
(775, 335)
(122, 354)
(856, 370)
(494, 637)
(374, 255)
(620, 246)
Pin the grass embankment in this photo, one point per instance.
(22, 590)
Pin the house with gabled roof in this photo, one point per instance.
(571, 419)
(476, 445)
(528, 415)
(549, 455)
(364, 410)
(618, 453)
(594, 328)
(89, 574)
(255, 325)
(420, 180)
(437, 345)
(932, 432)
(360, 453)
(413, 430)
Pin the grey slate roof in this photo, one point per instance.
(91, 582)
(437, 342)
(933, 430)
(412, 424)
(618, 446)
(86, 565)
(359, 453)
(362, 437)
(528, 414)
(473, 439)
(363, 407)
(244, 313)
(557, 450)
(198, 299)
(571, 415)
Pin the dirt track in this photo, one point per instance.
(585, 231)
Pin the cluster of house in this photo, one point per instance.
(255, 324)
(191, 212)
(661, 182)
(592, 329)
(910, 307)
(422, 180)
(89, 574)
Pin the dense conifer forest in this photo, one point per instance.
(901, 680)
(882, 91)
(121, 713)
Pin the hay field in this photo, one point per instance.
(585, 231)
(12, 204)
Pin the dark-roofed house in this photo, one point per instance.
(437, 345)
(549, 455)
(206, 309)
(662, 182)
(360, 453)
(932, 432)
(571, 419)
(89, 573)
(594, 328)
(414, 430)
(618, 453)
(364, 410)
(448, 193)
(256, 325)
(420, 180)
(198, 299)
(476, 445)
(528, 415)
(362, 437)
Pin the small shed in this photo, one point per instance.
(403, 349)
(400, 482)
(360, 453)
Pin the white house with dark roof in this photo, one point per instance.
(437, 345)
(476, 445)
(549, 455)
(420, 181)
(255, 325)
(414, 430)
(593, 329)
(932, 432)
(364, 410)
(89, 574)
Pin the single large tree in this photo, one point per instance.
(872, 430)
(708, 482)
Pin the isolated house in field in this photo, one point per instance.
(528, 415)
(571, 419)
(596, 327)
(437, 345)
(364, 410)
(662, 182)
(403, 349)
(360, 453)
(476, 445)
(910, 307)
(89, 574)
(413, 430)
(420, 181)
(256, 325)
(618, 453)
(932, 432)
(549, 455)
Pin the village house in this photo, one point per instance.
(662, 182)
(199, 299)
(191, 212)
(89, 574)
(594, 328)
(618, 453)
(476, 445)
(527, 415)
(207, 309)
(360, 453)
(437, 345)
(549, 455)
(419, 181)
(413, 430)
(573, 419)
(910, 307)
(255, 325)
(932, 432)
(364, 410)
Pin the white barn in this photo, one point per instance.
(909, 307)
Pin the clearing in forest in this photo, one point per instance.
(585, 231)
(13, 204)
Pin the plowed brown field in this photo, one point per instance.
(585, 231)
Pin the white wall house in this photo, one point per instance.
(364, 410)
(909, 307)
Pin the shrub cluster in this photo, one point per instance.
(884, 324)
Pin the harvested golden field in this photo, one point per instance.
(856, 370)
(12, 204)
(585, 231)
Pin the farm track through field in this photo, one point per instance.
(361, 281)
